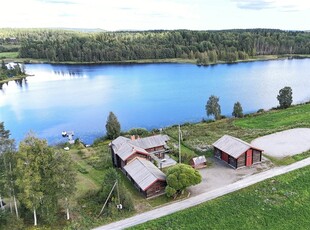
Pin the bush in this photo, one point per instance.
(138, 132)
(260, 111)
(82, 169)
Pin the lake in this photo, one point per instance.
(79, 97)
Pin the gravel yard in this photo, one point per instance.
(286, 143)
(220, 174)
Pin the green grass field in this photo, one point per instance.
(296, 116)
(282, 203)
(201, 135)
(9, 55)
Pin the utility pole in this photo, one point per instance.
(180, 144)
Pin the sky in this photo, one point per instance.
(113, 15)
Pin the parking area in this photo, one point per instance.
(220, 174)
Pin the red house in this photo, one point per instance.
(124, 149)
(146, 177)
(237, 153)
(133, 156)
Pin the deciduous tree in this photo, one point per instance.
(44, 177)
(213, 107)
(179, 177)
(237, 111)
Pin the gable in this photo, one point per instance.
(232, 146)
(144, 172)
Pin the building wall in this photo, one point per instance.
(257, 156)
(157, 188)
(241, 161)
(155, 149)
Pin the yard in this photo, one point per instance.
(219, 173)
(278, 203)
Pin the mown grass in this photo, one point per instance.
(8, 55)
(277, 119)
(278, 203)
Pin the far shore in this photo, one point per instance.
(148, 61)
(167, 60)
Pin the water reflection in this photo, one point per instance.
(69, 72)
(22, 83)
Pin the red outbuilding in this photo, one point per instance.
(237, 153)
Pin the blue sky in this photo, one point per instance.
(158, 14)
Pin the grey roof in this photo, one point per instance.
(124, 147)
(150, 142)
(144, 172)
(199, 160)
(118, 142)
(232, 145)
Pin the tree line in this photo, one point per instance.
(5, 72)
(285, 98)
(203, 46)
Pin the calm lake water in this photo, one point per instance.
(79, 97)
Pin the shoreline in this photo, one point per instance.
(15, 78)
(167, 60)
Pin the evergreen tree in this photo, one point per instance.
(113, 127)
(285, 97)
(237, 111)
(213, 107)
(3, 66)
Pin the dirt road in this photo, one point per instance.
(190, 202)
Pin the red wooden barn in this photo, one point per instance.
(237, 153)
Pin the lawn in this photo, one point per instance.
(278, 203)
(9, 55)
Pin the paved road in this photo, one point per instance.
(180, 205)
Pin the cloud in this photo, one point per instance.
(58, 1)
(253, 5)
(280, 5)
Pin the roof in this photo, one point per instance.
(199, 160)
(144, 172)
(150, 142)
(233, 146)
(125, 147)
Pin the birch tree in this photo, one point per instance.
(7, 152)
(44, 177)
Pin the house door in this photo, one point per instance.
(249, 158)
(225, 157)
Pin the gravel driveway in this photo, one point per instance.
(220, 174)
(285, 143)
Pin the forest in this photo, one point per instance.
(206, 47)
